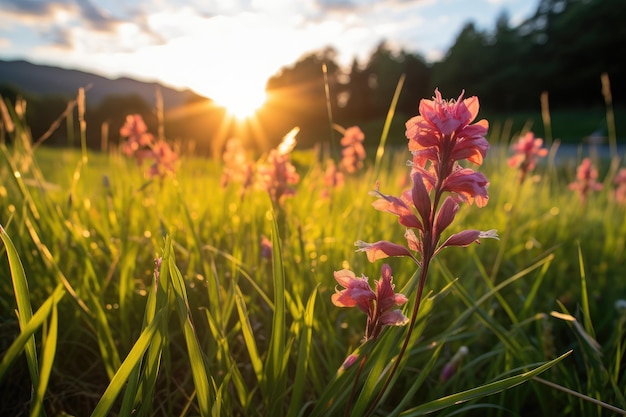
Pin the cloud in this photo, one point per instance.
(95, 17)
(339, 5)
(21, 7)
(83, 11)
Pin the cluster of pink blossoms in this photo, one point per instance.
(378, 305)
(276, 174)
(353, 152)
(142, 145)
(352, 158)
(526, 151)
(237, 166)
(439, 138)
(586, 180)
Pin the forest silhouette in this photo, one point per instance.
(562, 49)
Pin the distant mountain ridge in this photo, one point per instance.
(45, 80)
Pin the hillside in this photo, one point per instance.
(43, 80)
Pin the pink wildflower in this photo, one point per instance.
(353, 152)
(526, 151)
(442, 133)
(237, 166)
(277, 176)
(141, 145)
(378, 305)
(333, 178)
(439, 138)
(164, 160)
(586, 180)
(620, 190)
(136, 132)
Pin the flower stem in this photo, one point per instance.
(356, 381)
(405, 344)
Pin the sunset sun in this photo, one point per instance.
(240, 91)
(241, 103)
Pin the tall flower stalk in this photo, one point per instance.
(586, 180)
(439, 139)
(526, 152)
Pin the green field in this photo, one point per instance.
(89, 324)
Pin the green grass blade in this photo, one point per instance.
(338, 389)
(240, 268)
(275, 370)
(382, 355)
(248, 337)
(24, 308)
(474, 305)
(47, 360)
(482, 391)
(584, 295)
(106, 341)
(421, 377)
(196, 359)
(51, 263)
(304, 354)
(385, 133)
(33, 325)
(123, 373)
(147, 377)
(536, 286)
(489, 283)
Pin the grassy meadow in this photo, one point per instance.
(127, 295)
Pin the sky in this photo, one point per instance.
(211, 46)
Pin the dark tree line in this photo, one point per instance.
(562, 49)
